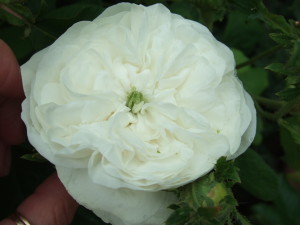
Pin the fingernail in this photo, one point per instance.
(4, 160)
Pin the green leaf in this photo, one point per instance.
(240, 57)
(277, 22)
(291, 69)
(5, 1)
(291, 149)
(35, 157)
(289, 93)
(280, 69)
(289, 202)
(16, 14)
(293, 80)
(179, 216)
(281, 38)
(57, 21)
(255, 80)
(244, 5)
(257, 177)
(74, 11)
(292, 124)
(211, 11)
(294, 60)
(286, 208)
(185, 9)
(268, 215)
(241, 219)
(239, 32)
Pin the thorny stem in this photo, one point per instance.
(259, 56)
(28, 23)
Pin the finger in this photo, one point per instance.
(4, 159)
(7, 222)
(12, 130)
(49, 205)
(10, 76)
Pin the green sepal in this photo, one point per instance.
(208, 200)
(180, 216)
(226, 171)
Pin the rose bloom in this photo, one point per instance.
(136, 102)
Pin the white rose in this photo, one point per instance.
(137, 101)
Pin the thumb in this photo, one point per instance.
(50, 204)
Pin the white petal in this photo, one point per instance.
(29, 69)
(249, 134)
(47, 151)
(117, 206)
(116, 9)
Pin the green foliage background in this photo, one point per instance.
(265, 39)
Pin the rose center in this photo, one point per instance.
(135, 101)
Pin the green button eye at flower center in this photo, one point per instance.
(135, 101)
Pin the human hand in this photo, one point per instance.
(50, 204)
(12, 130)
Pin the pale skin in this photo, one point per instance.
(50, 204)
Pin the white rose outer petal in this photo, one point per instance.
(112, 161)
(131, 207)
